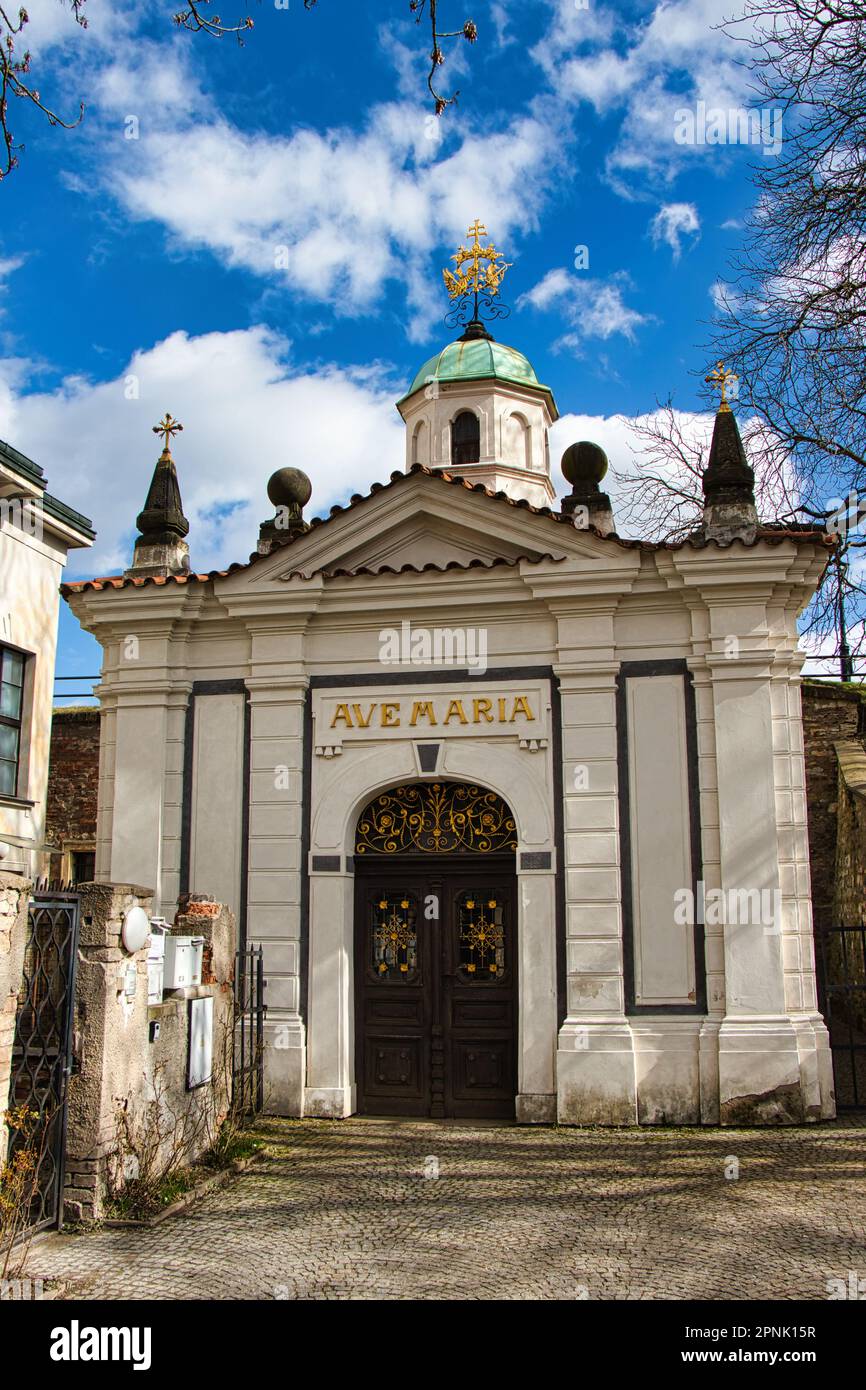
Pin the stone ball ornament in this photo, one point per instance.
(289, 487)
(135, 930)
(584, 463)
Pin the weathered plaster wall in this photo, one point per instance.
(115, 1061)
(30, 572)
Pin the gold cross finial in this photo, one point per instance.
(477, 230)
(167, 427)
(479, 269)
(720, 377)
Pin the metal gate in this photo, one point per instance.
(841, 957)
(248, 1069)
(42, 1051)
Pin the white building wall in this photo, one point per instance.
(584, 613)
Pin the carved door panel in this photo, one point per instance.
(480, 996)
(436, 991)
(394, 996)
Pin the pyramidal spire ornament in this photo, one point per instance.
(474, 285)
(728, 482)
(160, 548)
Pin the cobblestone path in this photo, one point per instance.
(354, 1210)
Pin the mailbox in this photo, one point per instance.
(183, 961)
(156, 962)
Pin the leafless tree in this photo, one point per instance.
(659, 495)
(197, 17)
(791, 318)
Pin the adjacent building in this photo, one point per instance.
(36, 534)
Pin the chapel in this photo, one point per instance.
(514, 804)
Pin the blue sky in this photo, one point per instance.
(264, 258)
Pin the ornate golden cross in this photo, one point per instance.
(167, 427)
(480, 269)
(720, 377)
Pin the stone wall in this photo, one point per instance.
(850, 899)
(830, 713)
(14, 898)
(73, 784)
(133, 1055)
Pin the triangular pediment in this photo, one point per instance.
(423, 538)
(419, 522)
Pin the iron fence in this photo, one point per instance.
(248, 1068)
(42, 1051)
(842, 998)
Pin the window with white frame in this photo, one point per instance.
(11, 702)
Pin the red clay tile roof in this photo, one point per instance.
(773, 533)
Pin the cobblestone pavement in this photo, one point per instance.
(344, 1210)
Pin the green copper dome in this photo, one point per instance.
(475, 360)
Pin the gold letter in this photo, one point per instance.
(423, 709)
(481, 709)
(362, 722)
(342, 712)
(455, 711)
(390, 708)
(521, 706)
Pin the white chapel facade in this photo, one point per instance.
(515, 805)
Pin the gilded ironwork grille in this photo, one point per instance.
(41, 1055)
(394, 938)
(436, 818)
(481, 936)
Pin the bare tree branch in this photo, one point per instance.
(197, 18)
(15, 82)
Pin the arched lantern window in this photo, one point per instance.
(465, 439)
(419, 443)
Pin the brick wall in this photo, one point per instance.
(73, 783)
(831, 713)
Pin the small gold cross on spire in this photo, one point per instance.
(720, 377)
(167, 427)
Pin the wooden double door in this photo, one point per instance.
(436, 988)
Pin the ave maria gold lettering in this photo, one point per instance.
(504, 709)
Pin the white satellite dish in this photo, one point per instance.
(135, 930)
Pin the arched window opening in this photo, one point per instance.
(518, 442)
(465, 439)
(419, 443)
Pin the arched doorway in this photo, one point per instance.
(436, 953)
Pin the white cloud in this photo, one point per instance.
(647, 71)
(590, 308)
(246, 412)
(328, 214)
(8, 266)
(672, 223)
